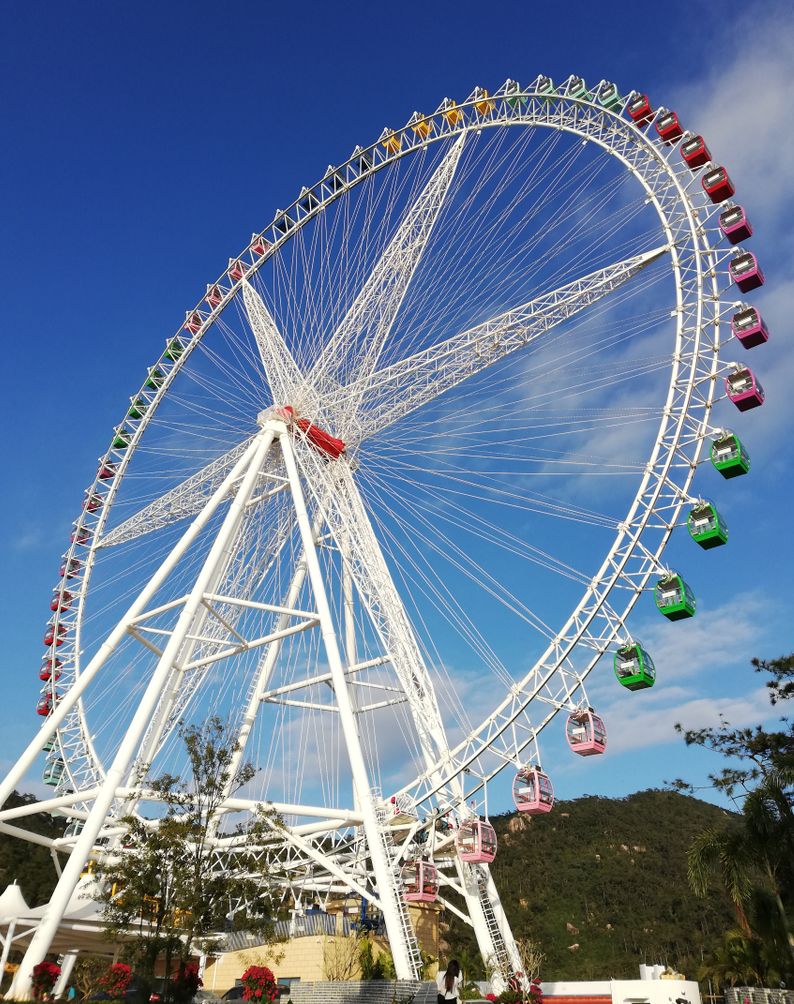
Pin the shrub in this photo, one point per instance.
(259, 984)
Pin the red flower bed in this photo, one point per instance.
(45, 975)
(259, 984)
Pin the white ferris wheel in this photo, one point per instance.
(390, 493)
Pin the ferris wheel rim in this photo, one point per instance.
(438, 135)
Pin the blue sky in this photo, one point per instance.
(144, 143)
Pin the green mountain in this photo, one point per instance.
(600, 884)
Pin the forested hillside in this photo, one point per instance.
(30, 865)
(601, 885)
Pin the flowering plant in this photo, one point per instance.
(115, 980)
(259, 984)
(44, 976)
(516, 994)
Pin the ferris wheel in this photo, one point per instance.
(391, 492)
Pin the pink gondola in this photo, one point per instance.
(748, 327)
(718, 185)
(60, 600)
(734, 224)
(668, 127)
(476, 841)
(193, 322)
(237, 269)
(214, 295)
(746, 272)
(639, 108)
(50, 668)
(694, 151)
(70, 568)
(744, 389)
(420, 882)
(533, 792)
(586, 733)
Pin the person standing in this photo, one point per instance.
(448, 983)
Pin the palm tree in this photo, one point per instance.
(728, 852)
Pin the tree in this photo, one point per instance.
(167, 884)
(753, 856)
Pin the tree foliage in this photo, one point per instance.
(166, 885)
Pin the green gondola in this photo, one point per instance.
(609, 97)
(514, 96)
(137, 409)
(577, 88)
(155, 381)
(634, 668)
(53, 772)
(174, 350)
(729, 456)
(49, 745)
(674, 598)
(545, 87)
(706, 526)
(121, 440)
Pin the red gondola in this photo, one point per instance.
(106, 472)
(668, 127)
(60, 600)
(734, 224)
(46, 704)
(54, 636)
(70, 568)
(746, 272)
(91, 503)
(694, 151)
(50, 668)
(237, 269)
(476, 841)
(259, 245)
(79, 535)
(639, 108)
(748, 327)
(586, 733)
(420, 882)
(744, 389)
(533, 792)
(717, 185)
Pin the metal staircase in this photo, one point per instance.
(503, 959)
(407, 931)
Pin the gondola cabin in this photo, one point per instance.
(514, 95)
(668, 127)
(74, 829)
(674, 598)
(46, 704)
(545, 88)
(50, 669)
(401, 809)
(748, 327)
(746, 272)
(483, 102)
(53, 772)
(237, 268)
(639, 109)
(476, 842)
(155, 380)
(174, 350)
(695, 152)
(49, 745)
(321, 440)
(60, 600)
(706, 526)
(634, 667)
(717, 185)
(421, 125)
(577, 88)
(80, 535)
(729, 456)
(450, 111)
(106, 472)
(744, 389)
(54, 636)
(533, 792)
(609, 96)
(193, 322)
(122, 438)
(259, 245)
(70, 568)
(734, 224)
(91, 503)
(586, 733)
(420, 882)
